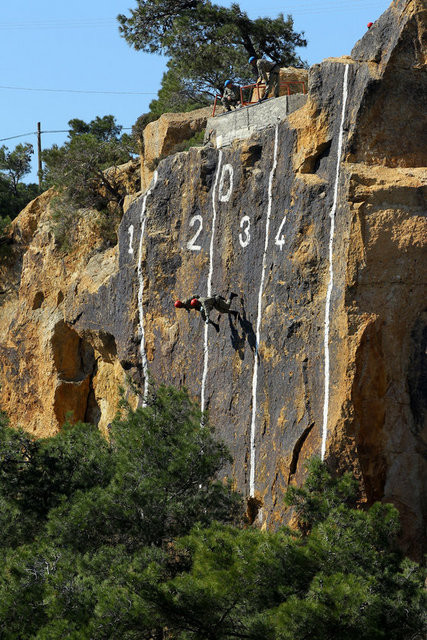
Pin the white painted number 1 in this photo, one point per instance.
(130, 230)
(245, 238)
(280, 239)
(190, 243)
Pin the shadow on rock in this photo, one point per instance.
(247, 333)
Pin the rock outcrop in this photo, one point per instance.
(162, 135)
(318, 224)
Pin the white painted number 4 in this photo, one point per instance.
(190, 243)
(280, 238)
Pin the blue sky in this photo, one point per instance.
(73, 48)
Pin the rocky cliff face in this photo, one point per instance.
(318, 224)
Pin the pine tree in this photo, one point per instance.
(207, 43)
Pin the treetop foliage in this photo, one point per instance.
(79, 165)
(84, 172)
(14, 194)
(104, 129)
(132, 537)
(206, 44)
(16, 164)
(184, 26)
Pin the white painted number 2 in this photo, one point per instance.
(190, 243)
(245, 237)
(130, 230)
(280, 238)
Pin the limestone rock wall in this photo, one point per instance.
(318, 224)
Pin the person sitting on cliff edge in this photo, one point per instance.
(269, 73)
(207, 304)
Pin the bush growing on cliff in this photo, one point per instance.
(131, 538)
(84, 172)
(177, 94)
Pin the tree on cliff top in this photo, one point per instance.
(78, 166)
(84, 173)
(207, 43)
(14, 194)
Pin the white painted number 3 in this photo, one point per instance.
(245, 237)
(190, 243)
(280, 238)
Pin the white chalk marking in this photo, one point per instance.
(130, 230)
(245, 224)
(280, 238)
(209, 286)
(258, 322)
(190, 244)
(331, 266)
(144, 360)
(225, 197)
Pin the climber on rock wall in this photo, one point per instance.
(217, 302)
(207, 304)
(268, 72)
(231, 96)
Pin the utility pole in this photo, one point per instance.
(39, 153)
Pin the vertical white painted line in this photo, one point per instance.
(144, 360)
(209, 286)
(258, 322)
(331, 266)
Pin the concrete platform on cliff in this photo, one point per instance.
(242, 123)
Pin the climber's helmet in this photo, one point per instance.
(178, 304)
(194, 304)
(369, 25)
(252, 59)
(227, 82)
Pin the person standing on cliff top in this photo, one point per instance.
(269, 73)
(231, 96)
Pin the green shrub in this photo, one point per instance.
(134, 537)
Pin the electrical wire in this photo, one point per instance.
(21, 135)
(300, 8)
(119, 93)
(329, 4)
(34, 133)
(59, 24)
(327, 8)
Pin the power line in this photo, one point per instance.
(59, 25)
(119, 93)
(34, 133)
(302, 7)
(21, 135)
(312, 5)
(328, 8)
